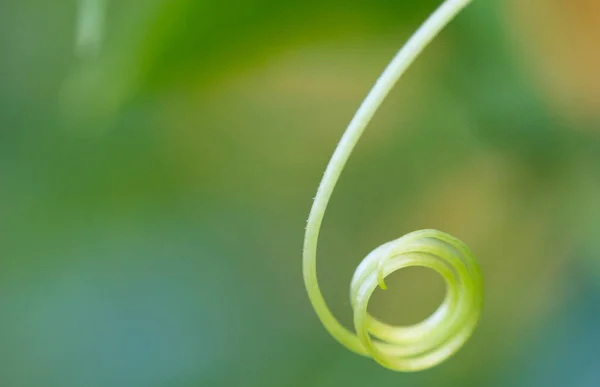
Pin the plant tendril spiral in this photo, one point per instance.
(426, 344)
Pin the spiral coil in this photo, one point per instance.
(433, 340)
(423, 345)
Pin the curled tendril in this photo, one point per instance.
(426, 344)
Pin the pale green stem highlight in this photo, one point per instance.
(90, 27)
(430, 342)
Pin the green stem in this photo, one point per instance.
(451, 252)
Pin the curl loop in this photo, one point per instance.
(428, 343)
(431, 341)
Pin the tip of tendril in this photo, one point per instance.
(381, 279)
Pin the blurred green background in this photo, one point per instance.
(154, 198)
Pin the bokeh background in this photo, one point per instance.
(154, 197)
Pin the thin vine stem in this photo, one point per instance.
(438, 337)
